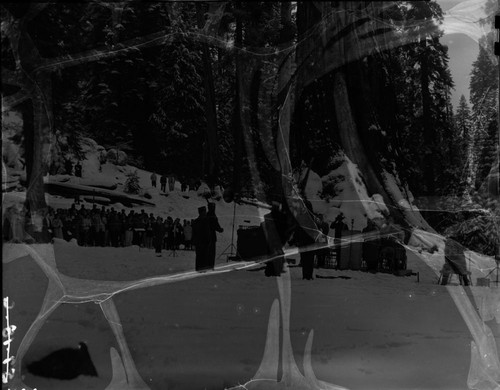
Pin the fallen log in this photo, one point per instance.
(97, 199)
(98, 183)
(71, 190)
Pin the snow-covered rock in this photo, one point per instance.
(204, 190)
(118, 157)
(11, 152)
(88, 145)
(350, 196)
(314, 185)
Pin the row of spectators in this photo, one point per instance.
(97, 227)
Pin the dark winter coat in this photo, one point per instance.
(201, 231)
(455, 256)
(213, 222)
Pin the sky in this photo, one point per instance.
(462, 46)
(463, 52)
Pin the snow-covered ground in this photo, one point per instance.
(185, 330)
(209, 331)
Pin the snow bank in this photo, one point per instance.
(351, 197)
(204, 190)
(314, 185)
(430, 247)
(410, 211)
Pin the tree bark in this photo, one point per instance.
(429, 134)
(345, 50)
(237, 125)
(210, 106)
(285, 112)
(37, 165)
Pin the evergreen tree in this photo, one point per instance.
(178, 117)
(484, 98)
(413, 85)
(463, 119)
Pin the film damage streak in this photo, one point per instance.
(7, 333)
(364, 32)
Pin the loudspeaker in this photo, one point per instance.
(251, 242)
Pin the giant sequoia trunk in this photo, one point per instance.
(284, 117)
(429, 132)
(210, 107)
(348, 131)
(39, 116)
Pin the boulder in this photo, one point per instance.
(88, 145)
(204, 191)
(117, 157)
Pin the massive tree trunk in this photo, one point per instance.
(347, 128)
(40, 149)
(237, 125)
(210, 106)
(285, 112)
(429, 132)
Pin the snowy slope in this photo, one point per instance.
(371, 331)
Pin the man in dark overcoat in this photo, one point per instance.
(455, 262)
(78, 169)
(370, 247)
(339, 227)
(163, 183)
(215, 228)
(201, 235)
(159, 231)
(276, 232)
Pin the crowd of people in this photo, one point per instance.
(98, 227)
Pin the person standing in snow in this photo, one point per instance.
(158, 235)
(128, 234)
(85, 224)
(201, 235)
(339, 226)
(114, 227)
(153, 179)
(303, 239)
(102, 159)
(275, 228)
(95, 228)
(78, 169)
(57, 226)
(215, 228)
(163, 183)
(455, 262)
(306, 233)
(178, 234)
(149, 231)
(323, 252)
(370, 248)
(171, 183)
(188, 234)
(68, 167)
(17, 224)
